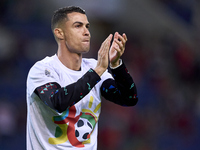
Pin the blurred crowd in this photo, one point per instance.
(165, 68)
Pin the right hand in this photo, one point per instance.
(102, 63)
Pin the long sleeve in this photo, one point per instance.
(122, 90)
(60, 99)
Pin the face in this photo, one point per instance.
(76, 33)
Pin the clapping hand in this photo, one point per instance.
(113, 52)
(117, 49)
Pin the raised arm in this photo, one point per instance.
(60, 98)
(122, 90)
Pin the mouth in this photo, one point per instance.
(86, 41)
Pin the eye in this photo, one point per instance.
(77, 26)
(88, 26)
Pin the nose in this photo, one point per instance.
(86, 32)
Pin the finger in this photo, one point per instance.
(108, 42)
(116, 35)
(120, 44)
(125, 37)
(109, 38)
(122, 38)
(105, 45)
(117, 49)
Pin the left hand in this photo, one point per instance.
(117, 49)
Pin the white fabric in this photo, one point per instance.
(120, 63)
(43, 132)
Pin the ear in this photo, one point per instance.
(59, 33)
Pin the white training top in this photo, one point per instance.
(75, 128)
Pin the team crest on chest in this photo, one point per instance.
(47, 72)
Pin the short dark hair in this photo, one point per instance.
(61, 14)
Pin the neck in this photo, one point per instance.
(69, 59)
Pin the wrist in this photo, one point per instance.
(99, 70)
(115, 65)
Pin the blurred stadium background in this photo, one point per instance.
(162, 54)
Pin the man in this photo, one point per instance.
(64, 91)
